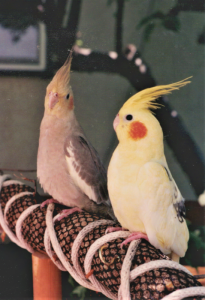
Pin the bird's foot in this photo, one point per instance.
(112, 229)
(48, 201)
(67, 212)
(134, 236)
(174, 257)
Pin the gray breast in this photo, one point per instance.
(52, 170)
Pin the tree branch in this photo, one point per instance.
(73, 21)
(118, 26)
(61, 8)
(188, 5)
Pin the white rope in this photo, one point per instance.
(11, 200)
(47, 244)
(9, 182)
(76, 271)
(80, 238)
(156, 264)
(4, 178)
(91, 252)
(187, 292)
(58, 250)
(19, 223)
(124, 289)
(3, 223)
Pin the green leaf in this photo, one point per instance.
(148, 30)
(156, 15)
(71, 281)
(80, 292)
(195, 255)
(171, 23)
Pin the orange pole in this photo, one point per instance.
(197, 271)
(47, 283)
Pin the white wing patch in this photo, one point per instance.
(73, 165)
(178, 200)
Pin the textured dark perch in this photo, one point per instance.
(151, 285)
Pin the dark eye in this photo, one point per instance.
(67, 96)
(129, 117)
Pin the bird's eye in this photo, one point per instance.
(67, 96)
(129, 117)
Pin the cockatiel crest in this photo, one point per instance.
(141, 103)
(59, 95)
(143, 193)
(145, 99)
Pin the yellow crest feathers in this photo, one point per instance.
(144, 99)
(62, 78)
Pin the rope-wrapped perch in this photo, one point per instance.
(139, 271)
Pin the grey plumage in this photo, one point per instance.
(68, 167)
(87, 165)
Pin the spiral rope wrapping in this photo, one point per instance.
(73, 244)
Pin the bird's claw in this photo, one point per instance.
(48, 201)
(134, 236)
(67, 212)
(112, 229)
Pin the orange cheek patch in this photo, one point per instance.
(137, 130)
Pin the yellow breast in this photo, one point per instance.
(124, 193)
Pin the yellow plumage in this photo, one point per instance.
(145, 98)
(61, 80)
(59, 89)
(142, 190)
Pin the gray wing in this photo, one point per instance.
(178, 200)
(86, 169)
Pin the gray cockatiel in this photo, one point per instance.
(68, 167)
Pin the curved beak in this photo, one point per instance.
(116, 121)
(53, 99)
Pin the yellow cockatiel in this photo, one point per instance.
(143, 193)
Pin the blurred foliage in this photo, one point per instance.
(195, 255)
(78, 290)
(201, 37)
(168, 21)
(33, 10)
